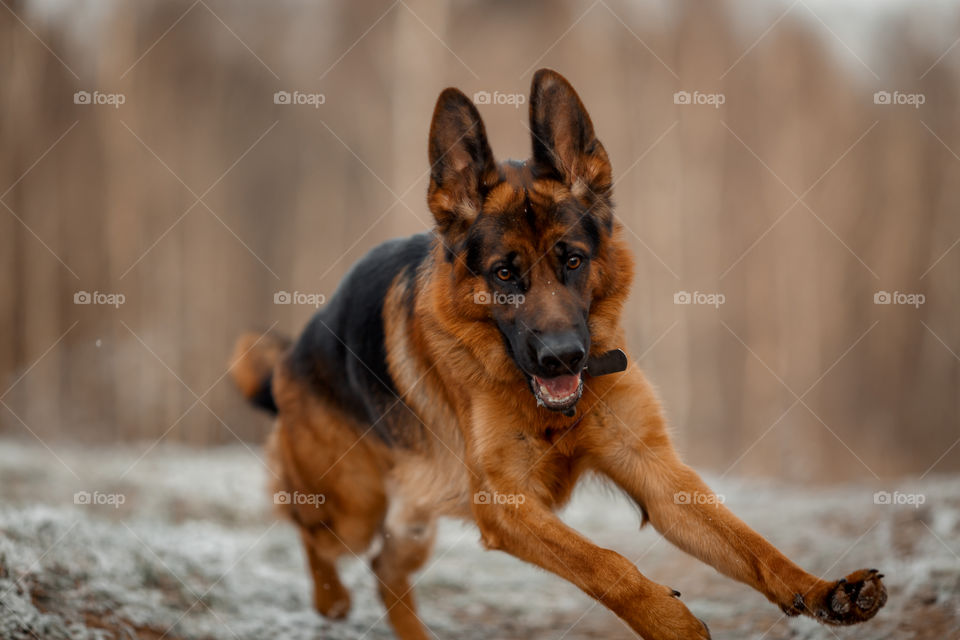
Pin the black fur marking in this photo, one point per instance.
(263, 398)
(474, 249)
(589, 225)
(342, 354)
(409, 282)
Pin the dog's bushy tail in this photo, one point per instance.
(251, 367)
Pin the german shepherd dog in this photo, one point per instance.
(474, 372)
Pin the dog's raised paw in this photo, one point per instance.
(849, 600)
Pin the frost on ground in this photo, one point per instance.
(193, 552)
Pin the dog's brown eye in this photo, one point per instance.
(504, 274)
(573, 262)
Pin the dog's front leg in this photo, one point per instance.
(513, 521)
(632, 447)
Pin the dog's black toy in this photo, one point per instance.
(612, 361)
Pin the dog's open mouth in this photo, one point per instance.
(557, 394)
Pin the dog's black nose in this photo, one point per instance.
(560, 354)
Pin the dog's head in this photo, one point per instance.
(531, 241)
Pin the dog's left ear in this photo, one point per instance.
(564, 144)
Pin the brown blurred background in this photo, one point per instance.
(104, 199)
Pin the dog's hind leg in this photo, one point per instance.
(329, 482)
(330, 597)
(408, 536)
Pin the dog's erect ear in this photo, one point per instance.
(564, 144)
(462, 169)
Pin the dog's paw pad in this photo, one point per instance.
(870, 594)
(850, 600)
(840, 600)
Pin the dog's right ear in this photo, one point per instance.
(462, 168)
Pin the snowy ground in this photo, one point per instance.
(193, 552)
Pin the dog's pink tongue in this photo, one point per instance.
(561, 386)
